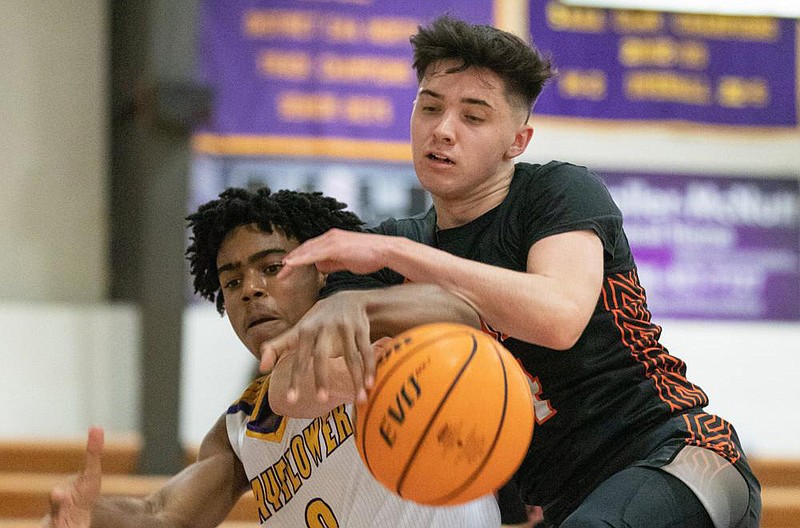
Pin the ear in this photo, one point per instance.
(321, 278)
(522, 137)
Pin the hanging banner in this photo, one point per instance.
(314, 77)
(654, 66)
(714, 247)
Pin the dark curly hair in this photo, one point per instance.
(294, 214)
(523, 69)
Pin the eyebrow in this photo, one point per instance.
(465, 100)
(252, 258)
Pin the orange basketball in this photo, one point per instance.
(450, 416)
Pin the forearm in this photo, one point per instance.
(396, 309)
(527, 306)
(124, 512)
(200, 496)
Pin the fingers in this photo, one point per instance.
(87, 485)
(273, 349)
(268, 358)
(321, 372)
(312, 251)
(304, 347)
(354, 363)
(535, 514)
(351, 342)
(332, 328)
(337, 250)
(94, 452)
(57, 497)
(381, 346)
(72, 505)
(367, 355)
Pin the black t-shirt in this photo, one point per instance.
(596, 399)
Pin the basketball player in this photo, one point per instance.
(303, 472)
(539, 250)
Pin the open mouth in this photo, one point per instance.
(440, 159)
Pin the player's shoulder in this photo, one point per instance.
(253, 395)
(554, 169)
(420, 227)
(556, 178)
(253, 412)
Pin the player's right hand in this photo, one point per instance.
(337, 250)
(71, 505)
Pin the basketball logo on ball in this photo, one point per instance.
(449, 418)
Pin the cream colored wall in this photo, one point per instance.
(64, 367)
(53, 143)
(67, 357)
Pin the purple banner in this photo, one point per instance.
(714, 247)
(646, 65)
(288, 69)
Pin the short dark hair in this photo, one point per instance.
(523, 69)
(294, 214)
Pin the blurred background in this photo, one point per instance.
(118, 118)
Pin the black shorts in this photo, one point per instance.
(674, 484)
(640, 497)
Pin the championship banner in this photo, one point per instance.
(655, 66)
(714, 247)
(314, 77)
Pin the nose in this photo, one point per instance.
(444, 130)
(254, 286)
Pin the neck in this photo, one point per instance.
(462, 210)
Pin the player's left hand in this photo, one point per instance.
(333, 327)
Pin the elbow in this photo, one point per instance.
(563, 341)
(564, 332)
(463, 310)
(467, 315)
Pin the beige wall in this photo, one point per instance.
(53, 143)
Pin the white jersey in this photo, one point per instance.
(307, 472)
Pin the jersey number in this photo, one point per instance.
(320, 515)
(542, 410)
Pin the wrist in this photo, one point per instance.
(400, 254)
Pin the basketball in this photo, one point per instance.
(449, 418)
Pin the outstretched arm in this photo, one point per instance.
(548, 304)
(199, 496)
(346, 323)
